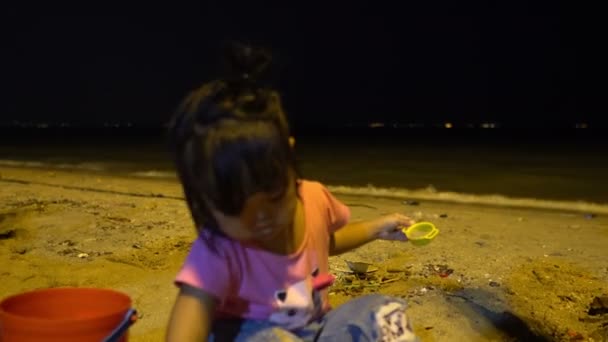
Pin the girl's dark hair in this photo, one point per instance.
(230, 139)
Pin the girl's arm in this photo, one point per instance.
(192, 315)
(356, 234)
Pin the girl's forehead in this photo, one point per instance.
(263, 201)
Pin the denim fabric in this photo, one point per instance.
(368, 318)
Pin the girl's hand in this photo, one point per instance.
(390, 227)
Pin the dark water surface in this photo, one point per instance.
(570, 165)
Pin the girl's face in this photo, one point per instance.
(264, 216)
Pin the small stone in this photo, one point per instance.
(494, 284)
(179, 244)
(443, 215)
(412, 203)
(575, 336)
(136, 246)
(7, 234)
(83, 255)
(598, 306)
(68, 243)
(480, 243)
(567, 298)
(446, 273)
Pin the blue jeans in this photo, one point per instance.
(368, 318)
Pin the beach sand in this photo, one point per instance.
(494, 273)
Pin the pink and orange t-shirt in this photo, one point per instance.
(255, 284)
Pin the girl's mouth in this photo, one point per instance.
(266, 231)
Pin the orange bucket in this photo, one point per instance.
(66, 314)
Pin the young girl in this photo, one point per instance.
(259, 269)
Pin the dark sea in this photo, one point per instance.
(560, 169)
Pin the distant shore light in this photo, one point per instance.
(448, 125)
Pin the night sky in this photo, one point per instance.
(512, 62)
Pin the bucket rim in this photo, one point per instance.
(38, 320)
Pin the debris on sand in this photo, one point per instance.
(21, 250)
(575, 336)
(358, 267)
(412, 203)
(355, 284)
(441, 270)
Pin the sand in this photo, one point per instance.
(493, 274)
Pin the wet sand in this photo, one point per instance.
(494, 273)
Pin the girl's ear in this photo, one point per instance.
(292, 142)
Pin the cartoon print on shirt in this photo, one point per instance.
(300, 302)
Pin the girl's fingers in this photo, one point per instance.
(397, 235)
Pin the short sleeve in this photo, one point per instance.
(207, 270)
(338, 214)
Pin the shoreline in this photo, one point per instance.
(470, 199)
(429, 194)
(513, 271)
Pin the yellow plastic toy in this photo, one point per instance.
(421, 233)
